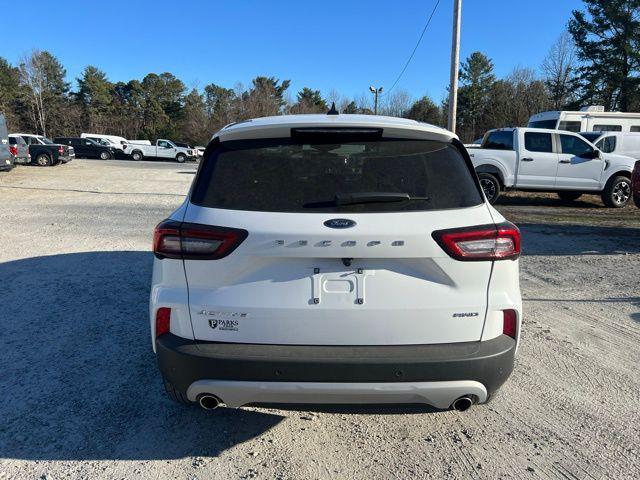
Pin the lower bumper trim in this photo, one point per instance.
(238, 393)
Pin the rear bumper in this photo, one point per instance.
(250, 373)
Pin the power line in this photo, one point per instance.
(435, 7)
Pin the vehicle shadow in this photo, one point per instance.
(79, 379)
(544, 200)
(556, 239)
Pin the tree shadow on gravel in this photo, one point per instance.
(79, 379)
(554, 239)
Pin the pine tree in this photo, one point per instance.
(607, 38)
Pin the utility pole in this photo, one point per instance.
(455, 65)
(376, 92)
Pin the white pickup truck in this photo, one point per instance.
(162, 149)
(550, 161)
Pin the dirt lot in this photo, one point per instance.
(82, 398)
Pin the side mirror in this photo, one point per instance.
(591, 154)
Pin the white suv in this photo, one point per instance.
(335, 259)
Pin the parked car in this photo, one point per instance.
(6, 159)
(328, 259)
(199, 151)
(87, 148)
(635, 181)
(120, 144)
(551, 161)
(162, 149)
(621, 143)
(44, 152)
(19, 150)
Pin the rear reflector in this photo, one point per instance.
(485, 242)
(163, 321)
(510, 325)
(190, 241)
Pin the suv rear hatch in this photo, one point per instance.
(330, 238)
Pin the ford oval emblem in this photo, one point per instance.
(339, 223)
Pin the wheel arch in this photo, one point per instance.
(493, 170)
(617, 173)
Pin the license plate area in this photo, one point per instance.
(339, 287)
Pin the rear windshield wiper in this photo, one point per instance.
(341, 199)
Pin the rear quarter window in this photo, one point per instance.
(280, 175)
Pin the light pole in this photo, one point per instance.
(455, 65)
(376, 92)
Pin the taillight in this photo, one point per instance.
(163, 321)
(60, 150)
(485, 242)
(510, 323)
(13, 150)
(190, 241)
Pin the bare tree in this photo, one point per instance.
(32, 75)
(395, 104)
(558, 68)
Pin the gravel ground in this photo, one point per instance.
(82, 398)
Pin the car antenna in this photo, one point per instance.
(333, 110)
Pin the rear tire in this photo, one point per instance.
(491, 186)
(105, 156)
(569, 196)
(617, 192)
(175, 394)
(136, 155)
(43, 160)
(181, 158)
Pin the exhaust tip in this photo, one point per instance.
(209, 402)
(463, 403)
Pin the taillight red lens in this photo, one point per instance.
(191, 241)
(13, 150)
(163, 321)
(510, 325)
(485, 242)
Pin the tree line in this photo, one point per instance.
(596, 62)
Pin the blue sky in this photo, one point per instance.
(342, 45)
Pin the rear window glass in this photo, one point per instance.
(282, 175)
(607, 144)
(551, 124)
(538, 142)
(499, 140)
